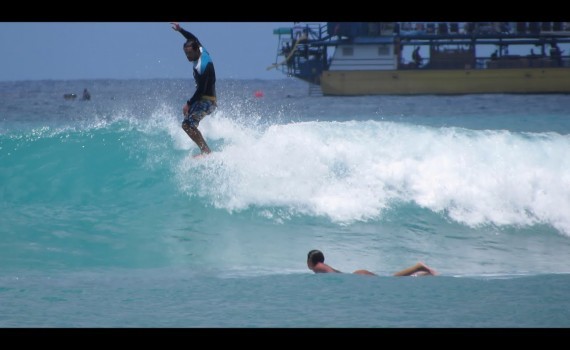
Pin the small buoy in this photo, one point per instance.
(258, 93)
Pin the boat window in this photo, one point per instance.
(347, 51)
(383, 50)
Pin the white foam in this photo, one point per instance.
(353, 171)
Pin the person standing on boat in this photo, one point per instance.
(556, 54)
(416, 57)
(86, 95)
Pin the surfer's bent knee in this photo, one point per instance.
(189, 124)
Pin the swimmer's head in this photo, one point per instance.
(315, 256)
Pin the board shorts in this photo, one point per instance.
(198, 111)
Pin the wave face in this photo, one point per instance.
(376, 183)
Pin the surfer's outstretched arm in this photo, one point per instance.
(189, 36)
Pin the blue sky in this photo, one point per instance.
(134, 50)
(140, 50)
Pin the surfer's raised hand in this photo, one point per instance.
(175, 26)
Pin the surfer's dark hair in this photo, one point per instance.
(195, 46)
(316, 256)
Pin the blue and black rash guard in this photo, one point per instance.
(204, 73)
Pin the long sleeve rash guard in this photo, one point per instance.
(204, 72)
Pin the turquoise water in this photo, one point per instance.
(108, 221)
(178, 298)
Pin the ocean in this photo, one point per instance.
(107, 220)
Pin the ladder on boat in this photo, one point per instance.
(315, 90)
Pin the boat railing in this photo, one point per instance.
(307, 56)
(298, 52)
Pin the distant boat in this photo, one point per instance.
(367, 58)
(70, 96)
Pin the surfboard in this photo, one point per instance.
(284, 62)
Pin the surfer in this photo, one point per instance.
(86, 95)
(316, 263)
(203, 102)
